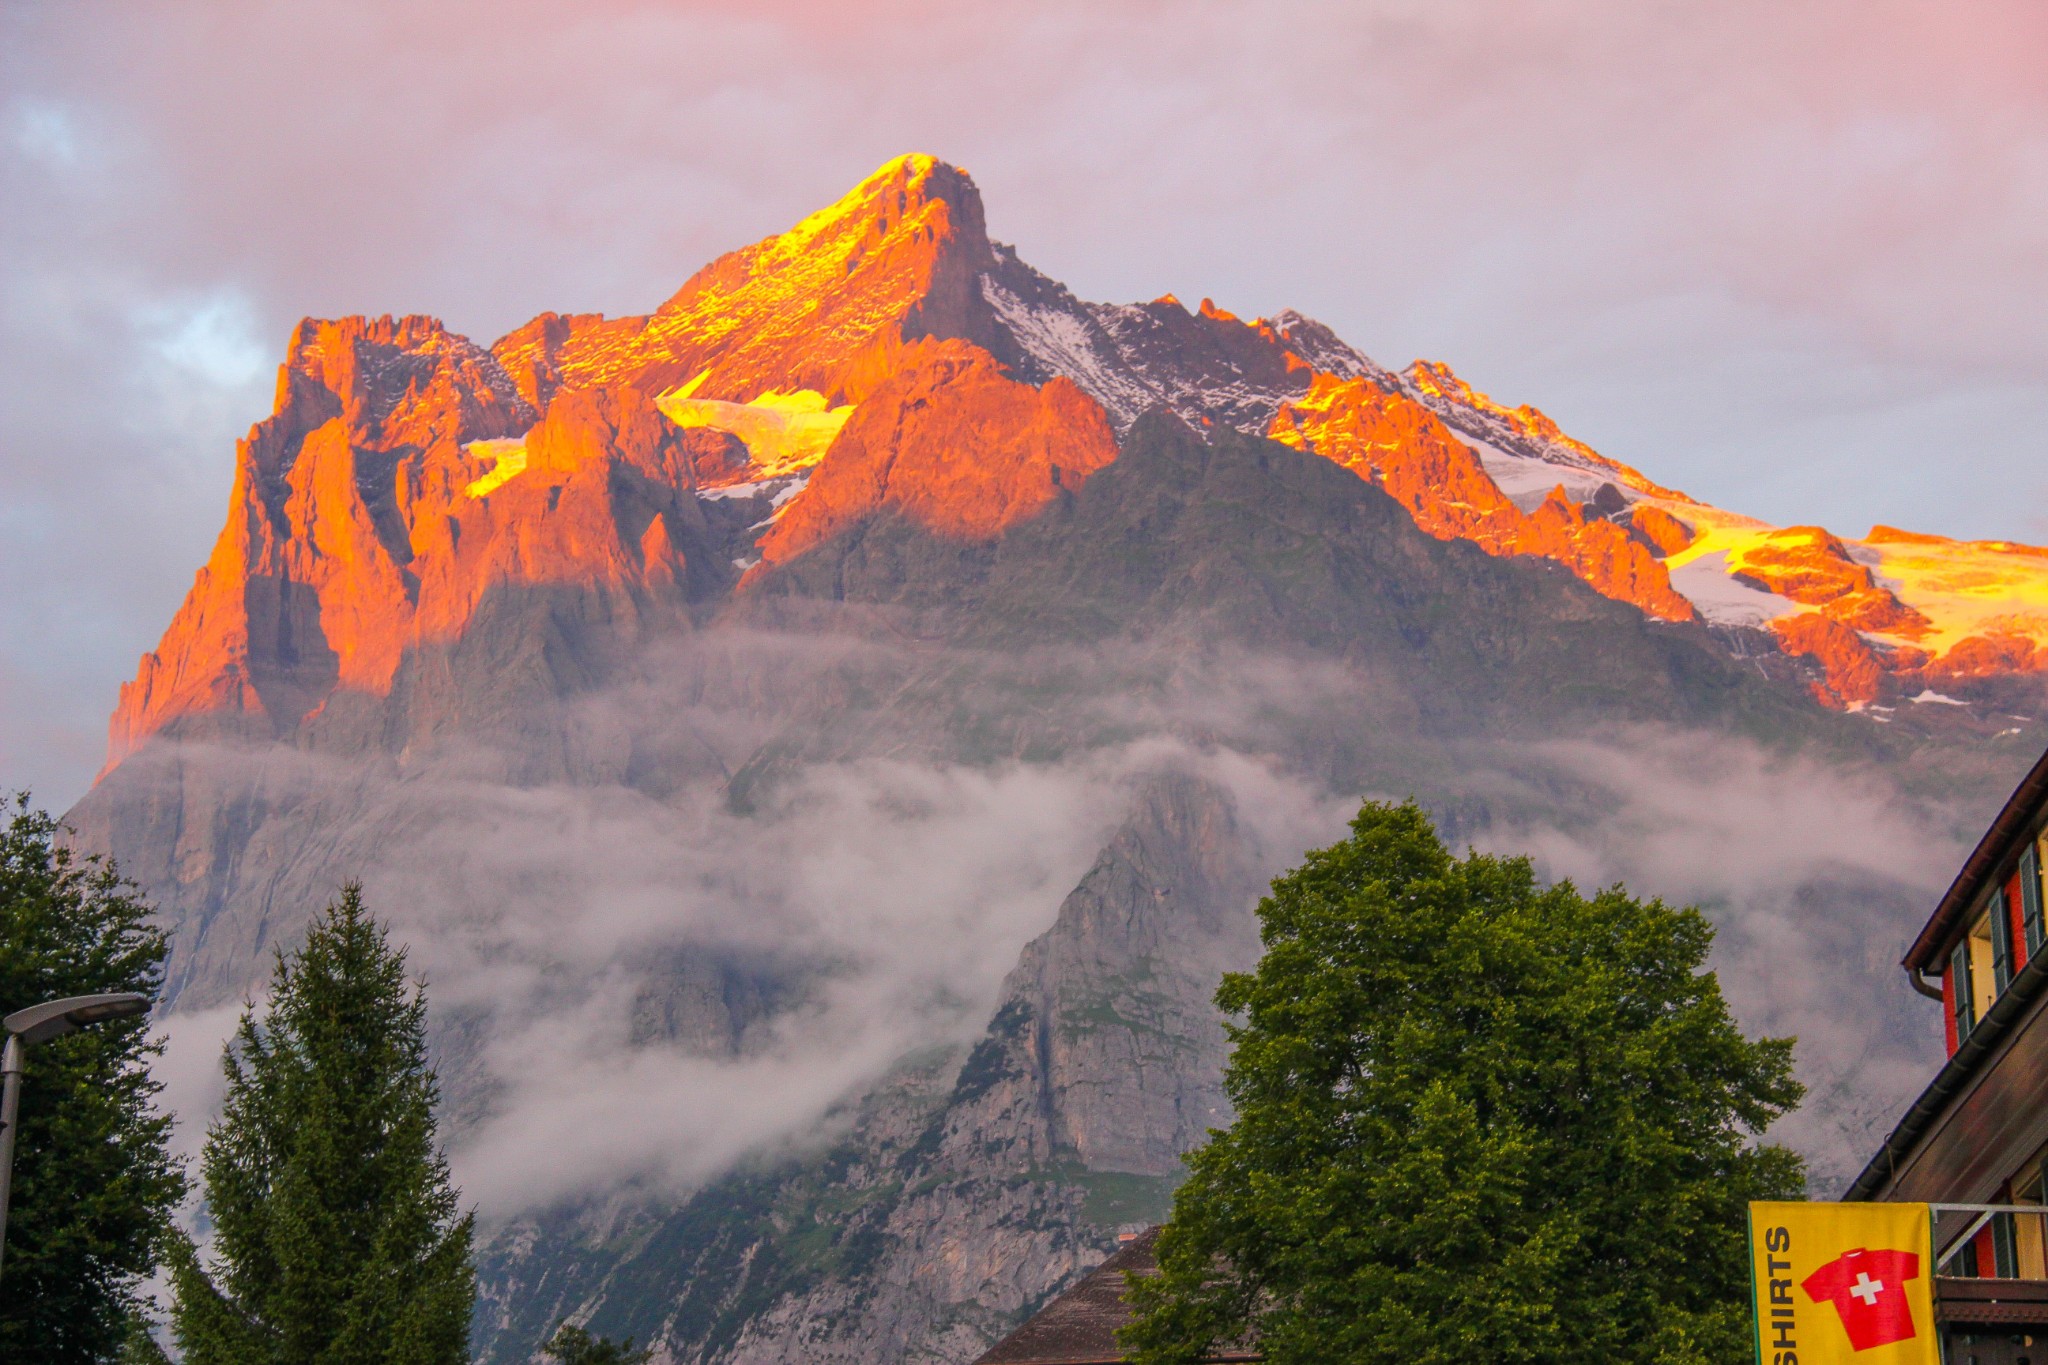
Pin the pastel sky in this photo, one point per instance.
(1790, 258)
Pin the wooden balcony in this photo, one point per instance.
(2015, 1303)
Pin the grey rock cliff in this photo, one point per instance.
(950, 1211)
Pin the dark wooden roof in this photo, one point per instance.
(1079, 1327)
(2000, 1063)
(1989, 863)
(1993, 857)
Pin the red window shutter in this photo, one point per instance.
(1948, 1007)
(2016, 916)
(1987, 1254)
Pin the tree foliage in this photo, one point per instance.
(1476, 1120)
(337, 1239)
(94, 1183)
(575, 1346)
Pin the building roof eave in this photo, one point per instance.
(1954, 1075)
(1983, 864)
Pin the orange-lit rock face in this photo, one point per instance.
(1657, 528)
(311, 566)
(1984, 656)
(1854, 673)
(1433, 380)
(1390, 440)
(1924, 610)
(396, 383)
(353, 533)
(823, 306)
(405, 471)
(1603, 554)
(1935, 611)
(1393, 441)
(953, 445)
(1813, 568)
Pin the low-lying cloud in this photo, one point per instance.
(637, 983)
(669, 985)
(1816, 878)
(632, 993)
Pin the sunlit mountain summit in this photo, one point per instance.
(407, 471)
(843, 717)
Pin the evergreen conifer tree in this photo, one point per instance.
(337, 1239)
(94, 1183)
(1477, 1120)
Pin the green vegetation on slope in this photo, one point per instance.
(336, 1232)
(94, 1183)
(1476, 1120)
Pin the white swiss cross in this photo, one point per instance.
(1866, 1288)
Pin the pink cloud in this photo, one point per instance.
(1791, 258)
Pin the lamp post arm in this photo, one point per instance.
(11, 1058)
(39, 1024)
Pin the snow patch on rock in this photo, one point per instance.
(1724, 599)
(1062, 343)
(508, 457)
(1527, 480)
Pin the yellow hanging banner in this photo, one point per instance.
(1843, 1283)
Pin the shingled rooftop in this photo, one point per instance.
(1079, 1327)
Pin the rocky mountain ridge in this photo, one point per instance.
(967, 1188)
(406, 472)
(574, 647)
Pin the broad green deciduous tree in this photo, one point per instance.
(94, 1183)
(336, 1236)
(1477, 1120)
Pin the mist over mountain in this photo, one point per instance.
(823, 739)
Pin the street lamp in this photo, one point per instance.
(39, 1024)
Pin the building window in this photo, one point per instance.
(1999, 921)
(2033, 1265)
(2005, 1256)
(1962, 991)
(1981, 945)
(2030, 898)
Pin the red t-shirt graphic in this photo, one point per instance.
(1868, 1288)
